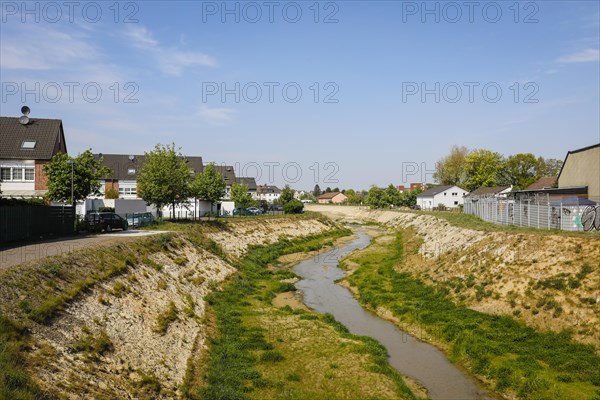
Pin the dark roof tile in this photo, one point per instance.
(46, 133)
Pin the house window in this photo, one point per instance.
(5, 174)
(456, 203)
(28, 144)
(17, 174)
(131, 171)
(29, 174)
(454, 194)
(445, 193)
(127, 191)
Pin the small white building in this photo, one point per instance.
(449, 196)
(268, 193)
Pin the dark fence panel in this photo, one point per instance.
(31, 222)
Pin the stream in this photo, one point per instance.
(412, 358)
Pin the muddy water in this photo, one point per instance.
(411, 357)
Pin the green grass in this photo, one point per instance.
(164, 319)
(533, 364)
(469, 221)
(15, 381)
(240, 350)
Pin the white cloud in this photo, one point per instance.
(587, 55)
(217, 116)
(170, 60)
(42, 48)
(141, 37)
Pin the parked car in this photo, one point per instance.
(140, 219)
(242, 211)
(415, 207)
(275, 207)
(106, 221)
(255, 210)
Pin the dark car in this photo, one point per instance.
(275, 207)
(106, 221)
(242, 211)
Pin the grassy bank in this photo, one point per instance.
(37, 292)
(260, 351)
(513, 358)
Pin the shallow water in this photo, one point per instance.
(411, 357)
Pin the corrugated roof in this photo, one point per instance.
(488, 191)
(126, 167)
(46, 134)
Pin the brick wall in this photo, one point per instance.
(40, 178)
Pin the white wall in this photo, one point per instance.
(451, 198)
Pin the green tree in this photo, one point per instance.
(240, 195)
(164, 178)
(408, 198)
(450, 170)
(111, 193)
(521, 170)
(353, 196)
(317, 191)
(391, 196)
(549, 167)
(483, 168)
(287, 195)
(87, 172)
(209, 185)
(293, 206)
(375, 197)
(327, 190)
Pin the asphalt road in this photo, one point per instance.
(15, 255)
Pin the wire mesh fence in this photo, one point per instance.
(570, 214)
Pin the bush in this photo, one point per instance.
(106, 209)
(111, 193)
(293, 207)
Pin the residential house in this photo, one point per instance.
(414, 186)
(250, 182)
(268, 193)
(24, 150)
(228, 174)
(125, 169)
(449, 196)
(492, 191)
(332, 197)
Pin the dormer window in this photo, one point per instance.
(28, 144)
(131, 171)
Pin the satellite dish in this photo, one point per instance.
(25, 110)
(131, 157)
(24, 120)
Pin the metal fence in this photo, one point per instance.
(560, 215)
(32, 222)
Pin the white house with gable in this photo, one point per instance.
(449, 196)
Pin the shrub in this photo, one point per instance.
(293, 207)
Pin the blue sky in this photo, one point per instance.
(370, 61)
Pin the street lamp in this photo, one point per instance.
(72, 164)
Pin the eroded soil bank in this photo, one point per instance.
(123, 322)
(548, 281)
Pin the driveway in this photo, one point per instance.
(10, 256)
